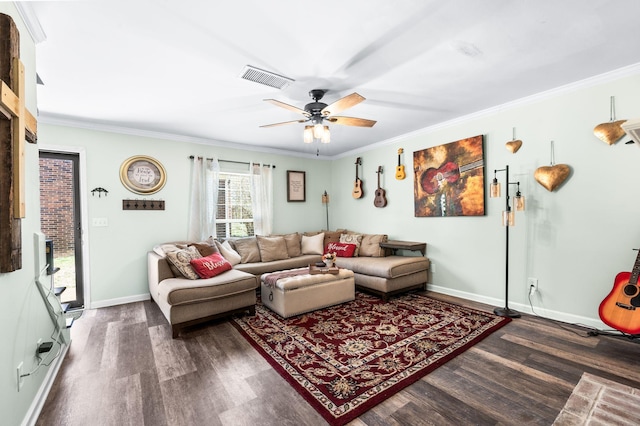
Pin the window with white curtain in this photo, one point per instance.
(234, 217)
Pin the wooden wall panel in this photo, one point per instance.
(10, 227)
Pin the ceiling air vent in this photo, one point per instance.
(265, 77)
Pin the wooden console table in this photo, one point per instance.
(405, 245)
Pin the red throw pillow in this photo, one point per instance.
(341, 249)
(210, 266)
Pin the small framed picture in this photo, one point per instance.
(295, 186)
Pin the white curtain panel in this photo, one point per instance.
(203, 199)
(262, 198)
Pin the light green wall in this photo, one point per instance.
(118, 252)
(574, 240)
(23, 314)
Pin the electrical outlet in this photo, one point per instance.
(20, 379)
(532, 285)
(433, 268)
(100, 221)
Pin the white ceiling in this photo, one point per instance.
(173, 66)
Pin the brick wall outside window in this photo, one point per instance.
(56, 204)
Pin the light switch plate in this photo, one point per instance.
(100, 221)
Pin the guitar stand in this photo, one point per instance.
(613, 334)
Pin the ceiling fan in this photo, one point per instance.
(317, 112)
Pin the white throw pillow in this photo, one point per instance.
(228, 253)
(313, 244)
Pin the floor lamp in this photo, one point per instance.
(325, 201)
(508, 220)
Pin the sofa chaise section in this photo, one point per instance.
(188, 302)
(389, 275)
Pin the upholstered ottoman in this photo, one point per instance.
(296, 291)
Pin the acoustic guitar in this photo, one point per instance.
(621, 308)
(380, 200)
(358, 191)
(400, 174)
(433, 179)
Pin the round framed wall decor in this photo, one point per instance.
(142, 174)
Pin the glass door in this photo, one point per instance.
(61, 224)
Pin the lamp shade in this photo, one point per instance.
(519, 202)
(326, 135)
(308, 134)
(508, 218)
(494, 189)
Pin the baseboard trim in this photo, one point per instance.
(120, 301)
(32, 415)
(525, 309)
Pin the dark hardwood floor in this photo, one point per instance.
(123, 368)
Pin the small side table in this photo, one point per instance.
(405, 245)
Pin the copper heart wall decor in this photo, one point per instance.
(612, 131)
(513, 146)
(551, 177)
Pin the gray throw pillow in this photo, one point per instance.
(293, 242)
(248, 249)
(272, 248)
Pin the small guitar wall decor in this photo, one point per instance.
(380, 199)
(358, 191)
(621, 308)
(400, 174)
(612, 131)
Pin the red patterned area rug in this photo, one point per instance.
(348, 358)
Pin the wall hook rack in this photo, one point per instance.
(99, 190)
(129, 204)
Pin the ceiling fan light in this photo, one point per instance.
(308, 134)
(318, 130)
(326, 137)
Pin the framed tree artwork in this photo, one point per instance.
(449, 179)
(296, 186)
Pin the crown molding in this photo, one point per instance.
(31, 21)
(628, 71)
(57, 120)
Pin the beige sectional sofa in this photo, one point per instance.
(186, 301)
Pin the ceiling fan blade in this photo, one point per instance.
(342, 104)
(283, 123)
(289, 107)
(352, 121)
